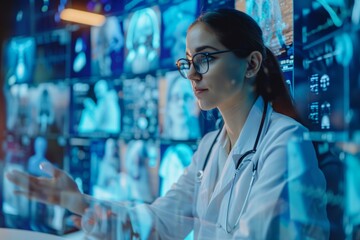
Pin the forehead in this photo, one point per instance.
(201, 35)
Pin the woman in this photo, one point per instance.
(250, 179)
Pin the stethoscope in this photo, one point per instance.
(200, 173)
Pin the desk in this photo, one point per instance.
(19, 234)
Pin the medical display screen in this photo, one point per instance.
(107, 48)
(142, 40)
(139, 179)
(80, 53)
(96, 108)
(51, 56)
(38, 109)
(140, 99)
(79, 162)
(179, 113)
(27, 154)
(176, 19)
(19, 54)
(327, 38)
(175, 157)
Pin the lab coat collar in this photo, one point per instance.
(244, 143)
(223, 138)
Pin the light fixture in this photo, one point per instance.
(82, 17)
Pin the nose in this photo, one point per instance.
(193, 74)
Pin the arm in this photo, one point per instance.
(171, 216)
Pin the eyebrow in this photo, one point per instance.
(198, 49)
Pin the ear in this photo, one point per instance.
(254, 61)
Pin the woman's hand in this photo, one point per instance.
(60, 189)
(103, 221)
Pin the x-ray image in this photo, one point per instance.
(80, 53)
(36, 109)
(179, 109)
(17, 110)
(19, 60)
(138, 177)
(105, 169)
(79, 152)
(142, 41)
(174, 159)
(107, 45)
(96, 108)
(176, 20)
(140, 107)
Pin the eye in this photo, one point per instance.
(200, 59)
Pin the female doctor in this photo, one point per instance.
(253, 179)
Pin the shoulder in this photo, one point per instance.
(282, 130)
(281, 124)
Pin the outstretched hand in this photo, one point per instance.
(59, 189)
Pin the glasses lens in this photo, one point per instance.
(183, 66)
(201, 63)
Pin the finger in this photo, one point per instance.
(88, 220)
(76, 220)
(23, 179)
(99, 212)
(36, 196)
(20, 179)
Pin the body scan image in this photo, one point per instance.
(142, 41)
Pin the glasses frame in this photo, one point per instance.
(207, 55)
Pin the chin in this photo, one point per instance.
(206, 107)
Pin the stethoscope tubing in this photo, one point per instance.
(254, 171)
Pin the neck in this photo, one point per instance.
(235, 117)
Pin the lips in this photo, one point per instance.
(199, 91)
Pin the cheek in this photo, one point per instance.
(226, 78)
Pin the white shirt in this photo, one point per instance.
(279, 204)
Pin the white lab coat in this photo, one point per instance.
(286, 201)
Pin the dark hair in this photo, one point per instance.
(270, 82)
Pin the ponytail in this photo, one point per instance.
(272, 87)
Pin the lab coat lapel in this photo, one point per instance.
(207, 185)
(244, 143)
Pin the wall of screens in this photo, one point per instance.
(104, 103)
(326, 93)
(109, 101)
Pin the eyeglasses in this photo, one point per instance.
(200, 62)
